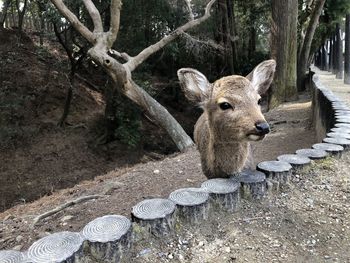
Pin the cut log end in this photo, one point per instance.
(58, 247)
(277, 173)
(108, 237)
(11, 256)
(333, 149)
(298, 162)
(253, 184)
(155, 215)
(339, 141)
(192, 204)
(223, 192)
(342, 125)
(313, 154)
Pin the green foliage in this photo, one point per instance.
(129, 119)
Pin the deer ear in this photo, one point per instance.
(194, 84)
(262, 76)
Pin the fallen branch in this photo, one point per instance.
(64, 206)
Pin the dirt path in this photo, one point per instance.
(124, 188)
(308, 221)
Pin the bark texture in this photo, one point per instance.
(339, 60)
(284, 50)
(309, 35)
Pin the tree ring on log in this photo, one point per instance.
(223, 192)
(277, 172)
(107, 228)
(342, 125)
(156, 215)
(253, 184)
(343, 119)
(11, 256)
(333, 149)
(108, 236)
(298, 162)
(313, 154)
(341, 130)
(338, 134)
(340, 141)
(58, 247)
(192, 203)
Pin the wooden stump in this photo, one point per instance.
(277, 172)
(155, 215)
(342, 119)
(339, 141)
(298, 162)
(108, 237)
(192, 204)
(341, 130)
(338, 135)
(253, 184)
(11, 256)
(313, 154)
(342, 114)
(223, 192)
(333, 149)
(342, 125)
(340, 107)
(65, 247)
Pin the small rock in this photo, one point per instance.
(327, 257)
(17, 248)
(156, 171)
(181, 257)
(201, 243)
(227, 249)
(66, 218)
(170, 256)
(144, 252)
(19, 238)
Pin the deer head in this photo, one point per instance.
(232, 116)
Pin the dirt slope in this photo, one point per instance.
(125, 187)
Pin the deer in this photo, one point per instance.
(231, 118)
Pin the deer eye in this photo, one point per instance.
(225, 106)
(259, 101)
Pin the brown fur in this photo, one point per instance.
(222, 136)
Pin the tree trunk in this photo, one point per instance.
(340, 65)
(323, 57)
(347, 51)
(21, 13)
(309, 35)
(225, 32)
(284, 50)
(232, 26)
(4, 12)
(330, 60)
(334, 55)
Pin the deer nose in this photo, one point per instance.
(262, 127)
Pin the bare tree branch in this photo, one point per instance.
(95, 15)
(188, 4)
(134, 62)
(86, 33)
(116, 6)
(208, 43)
(123, 55)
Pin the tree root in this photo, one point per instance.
(64, 206)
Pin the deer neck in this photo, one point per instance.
(230, 156)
